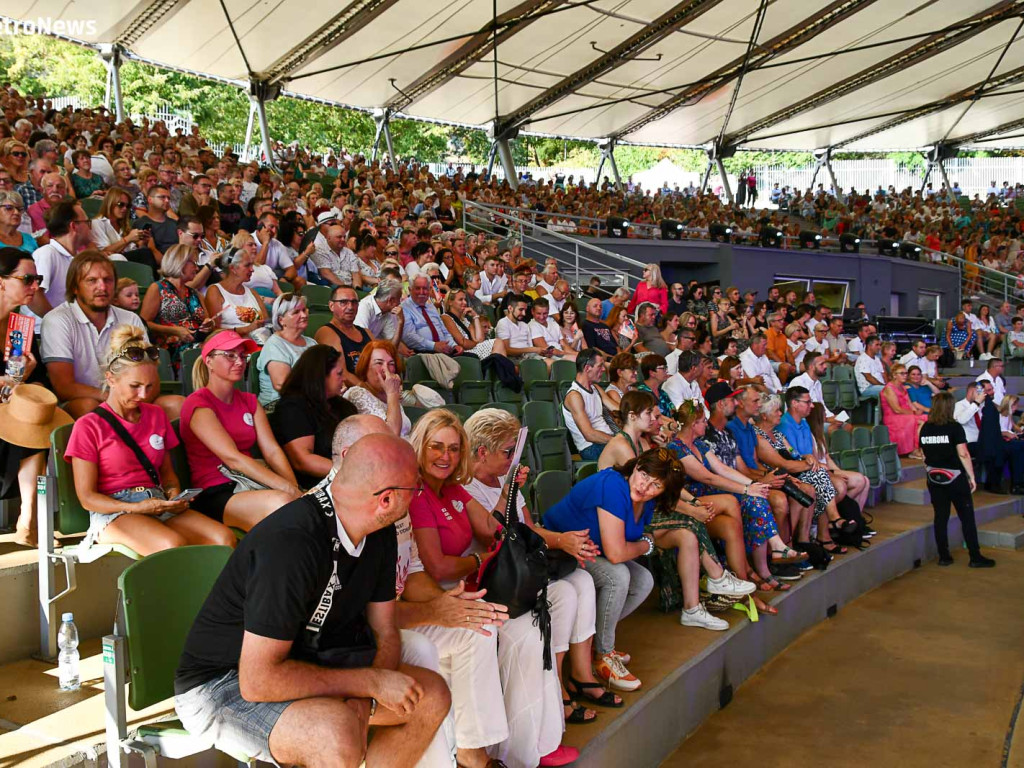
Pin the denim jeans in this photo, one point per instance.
(875, 390)
(592, 452)
(620, 588)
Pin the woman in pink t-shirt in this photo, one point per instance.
(220, 426)
(444, 537)
(126, 504)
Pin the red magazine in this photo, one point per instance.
(20, 329)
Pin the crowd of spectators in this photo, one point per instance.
(677, 396)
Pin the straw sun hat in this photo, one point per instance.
(29, 417)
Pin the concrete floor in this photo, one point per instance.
(924, 671)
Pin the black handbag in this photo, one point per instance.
(517, 574)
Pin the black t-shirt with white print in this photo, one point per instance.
(939, 442)
(273, 582)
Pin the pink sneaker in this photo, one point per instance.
(561, 756)
(625, 658)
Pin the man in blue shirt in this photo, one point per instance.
(424, 331)
(741, 429)
(794, 424)
(620, 297)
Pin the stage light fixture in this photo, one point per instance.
(809, 239)
(671, 229)
(719, 233)
(849, 243)
(888, 247)
(617, 226)
(910, 251)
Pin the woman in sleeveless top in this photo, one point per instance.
(465, 327)
(238, 308)
(638, 415)
(175, 313)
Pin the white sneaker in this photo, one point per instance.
(699, 617)
(984, 356)
(730, 586)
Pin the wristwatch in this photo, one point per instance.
(373, 706)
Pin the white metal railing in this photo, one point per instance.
(574, 256)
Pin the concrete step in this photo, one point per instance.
(916, 492)
(1005, 533)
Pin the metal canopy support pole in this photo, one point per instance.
(945, 178)
(490, 158)
(111, 55)
(608, 153)
(378, 121)
(704, 179)
(260, 92)
(505, 155)
(600, 167)
(248, 130)
(927, 175)
(382, 119)
(831, 174)
(725, 179)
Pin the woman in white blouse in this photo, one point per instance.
(381, 394)
(111, 230)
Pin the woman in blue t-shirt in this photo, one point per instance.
(627, 510)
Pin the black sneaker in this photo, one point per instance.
(980, 561)
(945, 560)
(788, 571)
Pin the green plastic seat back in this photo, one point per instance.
(317, 296)
(585, 470)
(317, 320)
(416, 370)
(504, 394)
(830, 394)
(161, 596)
(252, 373)
(188, 361)
(459, 409)
(549, 488)
(474, 393)
(880, 435)
(861, 437)
(533, 370)
(91, 206)
(414, 412)
(469, 369)
(870, 465)
(840, 440)
(842, 373)
(850, 460)
(70, 515)
(140, 273)
(179, 458)
(539, 415)
(892, 467)
(563, 370)
(512, 408)
(848, 396)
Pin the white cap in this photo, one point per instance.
(69, 616)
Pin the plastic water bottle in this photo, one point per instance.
(16, 365)
(67, 660)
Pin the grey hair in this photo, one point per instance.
(349, 431)
(388, 288)
(10, 196)
(231, 257)
(174, 260)
(623, 293)
(282, 306)
(45, 145)
(769, 403)
(23, 122)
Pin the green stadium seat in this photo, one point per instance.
(840, 440)
(414, 412)
(830, 394)
(505, 394)
(548, 489)
(459, 409)
(470, 386)
(842, 372)
(563, 370)
(91, 206)
(158, 600)
(317, 296)
(871, 465)
(317, 320)
(861, 437)
(849, 398)
(584, 470)
(538, 386)
(140, 273)
(549, 440)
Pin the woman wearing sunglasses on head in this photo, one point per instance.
(221, 426)
(19, 284)
(123, 473)
(111, 230)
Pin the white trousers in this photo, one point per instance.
(573, 610)
(418, 651)
(468, 662)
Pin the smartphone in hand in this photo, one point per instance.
(188, 494)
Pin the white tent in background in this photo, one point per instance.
(665, 172)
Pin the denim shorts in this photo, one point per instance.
(98, 521)
(216, 713)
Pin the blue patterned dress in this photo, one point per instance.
(758, 520)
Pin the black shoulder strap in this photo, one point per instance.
(323, 607)
(128, 440)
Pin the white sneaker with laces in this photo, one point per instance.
(727, 584)
(699, 617)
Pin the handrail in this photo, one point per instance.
(577, 250)
(1012, 285)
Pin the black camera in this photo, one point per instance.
(793, 491)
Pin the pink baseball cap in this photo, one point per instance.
(226, 341)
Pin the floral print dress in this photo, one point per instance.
(824, 491)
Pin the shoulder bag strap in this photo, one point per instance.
(323, 607)
(128, 440)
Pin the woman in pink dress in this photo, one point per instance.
(903, 417)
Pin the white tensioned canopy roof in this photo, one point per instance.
(767, 74)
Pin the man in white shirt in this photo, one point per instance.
(683, 384)
(493, 286)
(376, 313)
(855, 346)
(815, 365)
(583, 407)
(821, 313)
(557, 297)
(513, 330)
(916, 355)
(544, 332)
(76, 338)
(836, 342)
(868, 370)
(756, 364)
(965, 410)
(994, 373)
(70, 234)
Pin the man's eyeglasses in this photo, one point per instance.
(137, 353)
(343, 301)
(418, 488)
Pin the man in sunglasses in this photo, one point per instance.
(260, 674)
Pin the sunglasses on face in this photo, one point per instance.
(27, 279)
(9, 208)
(19, 154)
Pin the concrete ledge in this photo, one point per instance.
(655, 725)
(1007, 533)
